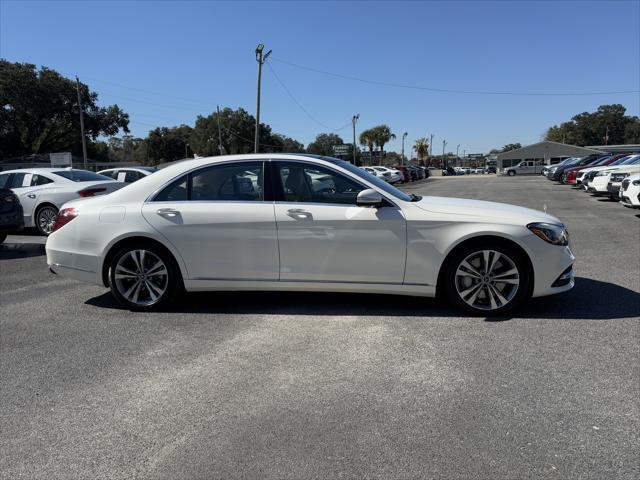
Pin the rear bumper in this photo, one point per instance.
(86, 268)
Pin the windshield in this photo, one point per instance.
(570, 162)
(81, 176)
(381, 184)
(632, 160)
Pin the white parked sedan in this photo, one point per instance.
(42, 191)
(260, 222)
(395, 176)
(630, 191)
(128, 174)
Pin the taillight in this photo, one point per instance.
(90, 192)
(65, 216)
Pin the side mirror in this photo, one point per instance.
(369, 198)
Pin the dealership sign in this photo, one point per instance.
(61, 159)
(342, 149)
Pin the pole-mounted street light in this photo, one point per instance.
(354, 119)
(404, 135)
(444, 143)
(260, 59)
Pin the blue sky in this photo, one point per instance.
(166, 62)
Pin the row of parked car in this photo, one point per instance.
(399, 173)
(616, 176)
(467, 170)
(32, 197)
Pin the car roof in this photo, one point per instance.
(136, 169)
(37, 170)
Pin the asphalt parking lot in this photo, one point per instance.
(292, 385)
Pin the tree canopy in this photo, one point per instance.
(323, 144)
(39, 112)
(592, 128)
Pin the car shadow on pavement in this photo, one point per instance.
(589, 300)
(10, 251)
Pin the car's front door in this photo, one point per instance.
(218, 220)
(324, 236)
(32, 187)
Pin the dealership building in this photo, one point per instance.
(546, 152)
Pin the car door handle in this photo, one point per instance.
(32, 195)
(299, 214)
(168, 212)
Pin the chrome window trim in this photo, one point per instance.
(325, 163)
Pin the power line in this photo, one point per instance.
(447, 90)
(300, 105)
(150, 92)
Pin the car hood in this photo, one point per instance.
(485, 211)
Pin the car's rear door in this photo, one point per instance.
(219, 220)
(325, 237)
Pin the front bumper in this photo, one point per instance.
(549, 263)
(614, 189)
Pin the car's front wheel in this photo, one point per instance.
(143, 277)
(46, 219)
(487, 280)
(511, 173)
(3, 237)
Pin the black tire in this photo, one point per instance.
(450, 280)
(43, 217)
(172, 286)
(511, 173)
(3, 237)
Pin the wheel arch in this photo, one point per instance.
(120, 243)
(493, 239)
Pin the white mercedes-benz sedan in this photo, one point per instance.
(305, 223)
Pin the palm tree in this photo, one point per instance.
(368, 138)
(383, 135)
(422, 149)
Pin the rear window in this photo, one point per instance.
(81, 176)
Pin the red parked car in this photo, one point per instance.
(405, 171)
(570, 175)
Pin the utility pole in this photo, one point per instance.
(186, 146)
(354, 119)
(220, 147)
(444, 143)
(606, 136)
(260, 59)
(403, 137)
(431, 145)
(457, 155)
(84, 142)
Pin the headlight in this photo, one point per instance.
(550, 232)
(636, 182)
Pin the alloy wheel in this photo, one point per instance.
(487, 280)
(141, 277)
(47, 219)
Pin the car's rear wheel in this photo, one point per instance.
(46, 219)
(3, 237)
(143, 277)
(487, 280)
